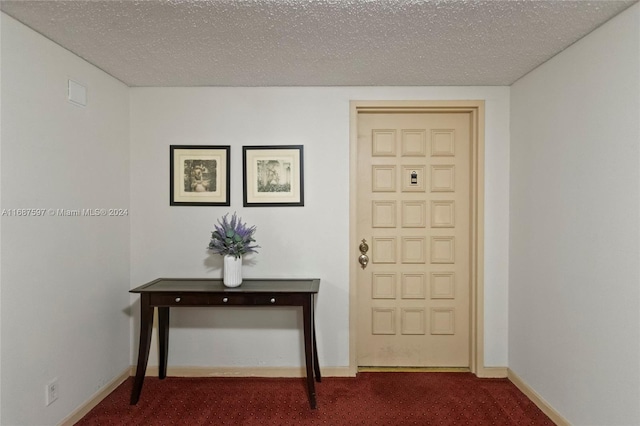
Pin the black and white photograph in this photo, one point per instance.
(273, 176)
(200, 175)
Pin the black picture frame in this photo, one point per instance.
(200, 175)
(273, 175)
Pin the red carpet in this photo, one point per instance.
(369, 399)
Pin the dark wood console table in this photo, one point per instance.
(165, 293)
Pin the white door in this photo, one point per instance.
(414, 211)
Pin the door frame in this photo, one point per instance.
(476, 110)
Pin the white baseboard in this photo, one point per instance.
(245, 371)
(543, 405)
(492, 372)
(485, 372)
(95, 399)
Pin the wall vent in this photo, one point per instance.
(77, 93)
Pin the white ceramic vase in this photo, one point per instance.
(232, 271)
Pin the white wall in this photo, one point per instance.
(0, 225)
(65, 307)
(309, 241)
(574, 297)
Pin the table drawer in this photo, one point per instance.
(179, 299)
(226, 299)
(249, 299)
(232, 299)
(182, 299)
(271, 299)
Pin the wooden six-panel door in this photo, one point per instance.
(413, 210)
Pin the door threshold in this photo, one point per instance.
(363, 369)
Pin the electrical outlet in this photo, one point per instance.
(52, 391)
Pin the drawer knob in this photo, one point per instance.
(177, 299)
(225, 300)
(273, 300)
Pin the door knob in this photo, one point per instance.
(363, 259)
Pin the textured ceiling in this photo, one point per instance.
(315, 42)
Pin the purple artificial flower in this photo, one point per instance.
(232, 238)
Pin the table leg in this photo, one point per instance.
(316, 364)
(163, 340)
(146, 326)
(309, 348)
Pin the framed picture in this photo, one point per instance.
(200, 175)
(273, 176)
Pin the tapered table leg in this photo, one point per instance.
(163, 340)
(309, 348)
(146, 326)
(316, 364)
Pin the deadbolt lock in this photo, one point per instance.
(363, 259)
